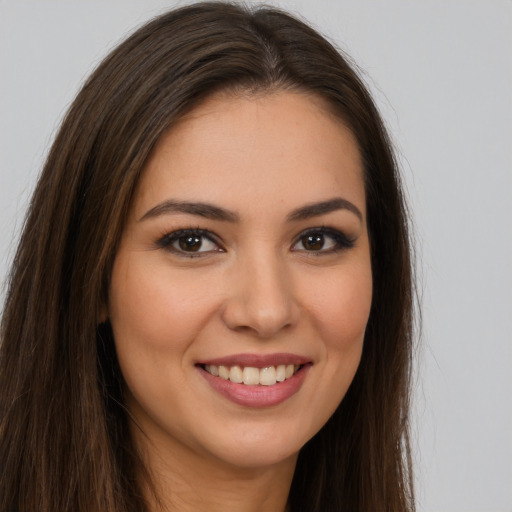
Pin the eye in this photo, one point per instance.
(190, 242)
(322, 240)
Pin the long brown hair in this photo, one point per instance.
(64, 441)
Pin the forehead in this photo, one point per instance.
(286, 146)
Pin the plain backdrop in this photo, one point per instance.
(441, 73)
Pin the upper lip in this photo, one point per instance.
(256, 360)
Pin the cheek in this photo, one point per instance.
(154, 308)
(155, 316)
(341, 309)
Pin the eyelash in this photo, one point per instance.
(170, 238)
(341, 241)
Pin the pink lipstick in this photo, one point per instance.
(255, 380)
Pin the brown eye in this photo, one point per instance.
(322, 241)
(313, 242)
(190, 243)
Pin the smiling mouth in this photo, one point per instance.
(252, 376)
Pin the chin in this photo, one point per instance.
(256, 457)
(257, 447)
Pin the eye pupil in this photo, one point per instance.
(190, 243)
(313, 242)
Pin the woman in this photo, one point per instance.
(210, 306)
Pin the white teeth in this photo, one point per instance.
(235, 374)
(268, 376)
(281, 373)
(251, 376)
(223, 372)
(214, 370)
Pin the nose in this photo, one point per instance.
(262, 299)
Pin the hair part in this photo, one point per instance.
(64, 431)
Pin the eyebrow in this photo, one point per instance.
(210, 211)
(331, 205)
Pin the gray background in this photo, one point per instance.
(441, 72)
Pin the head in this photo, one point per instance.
(61, 282)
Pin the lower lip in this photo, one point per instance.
(257, 396)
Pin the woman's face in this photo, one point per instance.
(242, 286)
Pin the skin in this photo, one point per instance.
(257, 288)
